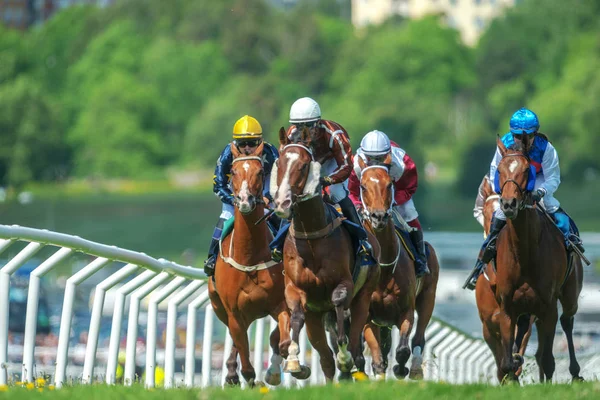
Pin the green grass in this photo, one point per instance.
(358, 391)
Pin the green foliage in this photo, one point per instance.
(128, 90)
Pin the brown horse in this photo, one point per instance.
(488, 307)
(534, 270)
(248, 285)
(319, 263)
(399, 293)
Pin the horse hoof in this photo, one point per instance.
(360, 376)
(518, 360)
(577, 379)
(232, 380)
(345, 376)
(291, 366)
(273, 379)
(380, 377)
(400, 371)
(416, 373)
(303, 374)
(259, 384)
(402, 355)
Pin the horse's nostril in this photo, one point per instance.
(286, 204)
(513, 203)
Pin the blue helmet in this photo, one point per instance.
(524, 121)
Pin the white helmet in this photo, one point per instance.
(305, 110)
(375, 143)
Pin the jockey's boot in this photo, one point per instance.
(421, 258)
(349, 211)
(487, 252)
(209, 263)
(563, 223)
(278, 241)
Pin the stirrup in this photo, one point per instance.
(276, 255)
(209, 265)
(421, 271)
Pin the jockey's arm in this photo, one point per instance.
(342, 152)
(222, 176)
(551, 170)
(270, 155)
(354, 189)
(494, 164)
(480, 202)
(406, 186)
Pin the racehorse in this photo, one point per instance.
(399, 293)
(319, 264)
(247, 284)
(488, 307)
(534, 269)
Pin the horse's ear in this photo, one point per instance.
(361, 162)
(283, 139)
(501, 146)
(259, 149)
(235, 151)
(388, 159)
(305, 136)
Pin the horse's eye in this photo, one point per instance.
(362, 187)
(389, 186)
(260, 173)
(233, 172)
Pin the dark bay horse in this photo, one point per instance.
(248, 285)
(488, 307)
(399, 293)
(319, 262)
(534, 270)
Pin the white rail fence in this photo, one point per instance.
(450, 355)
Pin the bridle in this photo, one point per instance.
(258, 199)
(523, 192)
(365, 211)
(299, 198)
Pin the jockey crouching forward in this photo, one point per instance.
(544, 158)
(374, 148)
(330, 146)
(247, 136)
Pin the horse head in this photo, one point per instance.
(295, 175)
(247, 179)
(514, 180)
(376, 192)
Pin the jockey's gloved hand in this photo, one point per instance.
(325, 181)
(538, 194)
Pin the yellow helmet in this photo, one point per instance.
(247, 127)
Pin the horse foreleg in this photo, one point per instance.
(294, 303)
(359, 315)
(340, 298)
(232, 377)
(239, 334)
(508, 367)
(403, 351)
(318, 339)
(373, 339)
(546, 328)
(521, 336)
(280, 342)
(424, 307)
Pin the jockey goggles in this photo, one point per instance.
(376, 159)
(247, 142)
(302, 125)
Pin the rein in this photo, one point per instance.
(522, 192)
(259, 199)
(366, 212)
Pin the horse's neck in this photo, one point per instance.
(524, 232)
(310, 215)
(250, 242)
(389, 243)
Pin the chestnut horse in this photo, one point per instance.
(319, 263)
(247, 284)
(534, 270)
(399, 293)
(488, 307)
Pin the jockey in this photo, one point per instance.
(374, 148)
(484, 187)
(331, 148)
(544, 158)
(247, 136)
